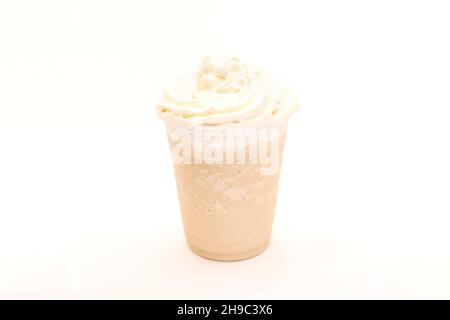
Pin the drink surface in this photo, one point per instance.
(227, 210)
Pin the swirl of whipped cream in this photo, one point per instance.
(224, 92)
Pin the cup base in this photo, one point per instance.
(216, 256)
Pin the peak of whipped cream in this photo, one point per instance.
(226, 92)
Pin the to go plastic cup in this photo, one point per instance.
(227, 181)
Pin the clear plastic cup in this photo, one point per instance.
(227, 181)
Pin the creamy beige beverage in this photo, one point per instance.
(226, 126)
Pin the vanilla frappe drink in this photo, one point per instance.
(226, 126)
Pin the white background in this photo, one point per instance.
(88, 204)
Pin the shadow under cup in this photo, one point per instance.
(227, 181)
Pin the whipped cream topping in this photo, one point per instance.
(225, 92)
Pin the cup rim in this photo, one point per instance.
(227, 128)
